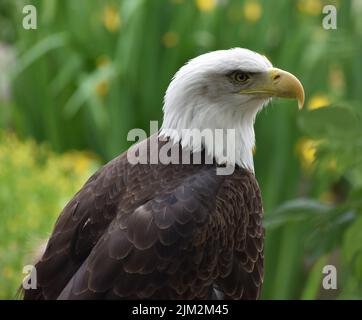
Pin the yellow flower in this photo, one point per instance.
(327, 197)
(102, 61)
(78, 161)
(7, 272)
(82, 164)
(111, 18)
(318, 101)
(332, 164)
(252, 10)
(310, 7)
(102, 88)
(170, 39)
(306, 149)
(336, 78)
(205, 5)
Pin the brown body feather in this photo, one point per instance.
(156, 232)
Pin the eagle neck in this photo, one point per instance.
(232, 129)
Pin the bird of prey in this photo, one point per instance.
(175, 230)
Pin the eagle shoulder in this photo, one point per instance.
(155, 247)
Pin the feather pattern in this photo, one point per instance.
(159, 232)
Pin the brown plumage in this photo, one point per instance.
(156, 232)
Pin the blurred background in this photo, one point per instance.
(92, 70)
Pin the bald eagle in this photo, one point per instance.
(174, 231)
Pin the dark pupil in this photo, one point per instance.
(241, 76)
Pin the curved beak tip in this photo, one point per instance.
(301, 100)
(286, 85)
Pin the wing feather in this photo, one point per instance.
(156, 231)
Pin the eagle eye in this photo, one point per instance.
(239, 76)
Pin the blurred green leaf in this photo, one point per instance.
(314, 280)
(330, 122)
(295, 211)
(37, 51)
(352, 248)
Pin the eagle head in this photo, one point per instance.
(224, 89)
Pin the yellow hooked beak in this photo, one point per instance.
(277, 83)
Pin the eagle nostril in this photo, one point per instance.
(276, 77)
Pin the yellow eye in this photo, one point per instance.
(239, 76)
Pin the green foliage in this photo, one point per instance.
(93, 70)
(35, 184)
(335, 227)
